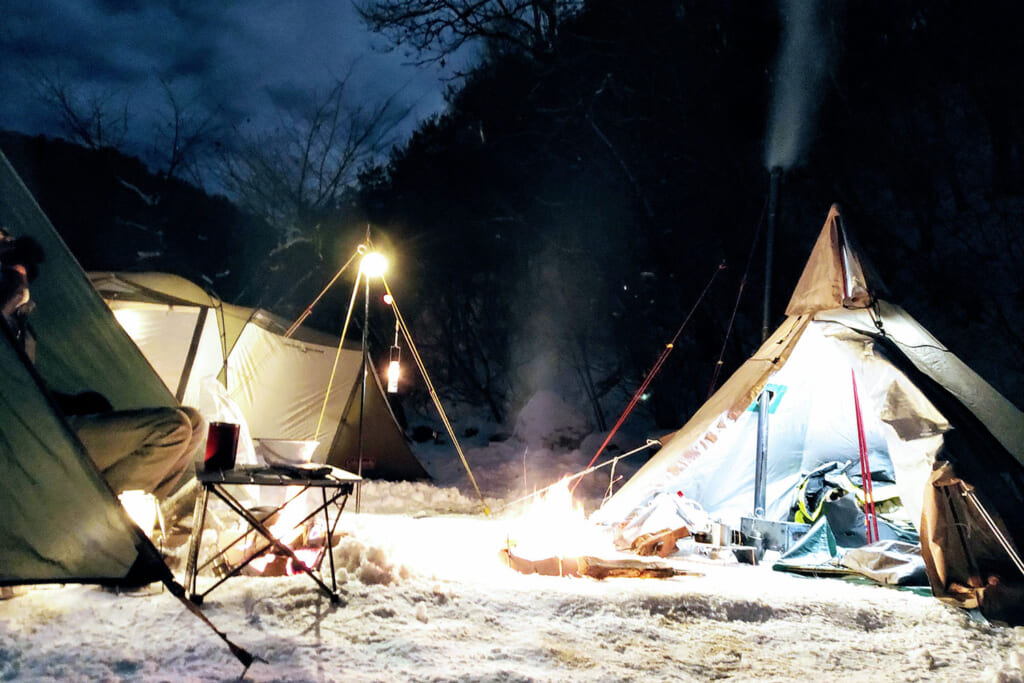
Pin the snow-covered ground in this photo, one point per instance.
(427, 598)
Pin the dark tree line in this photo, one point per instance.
(559, 223)
(579, 200)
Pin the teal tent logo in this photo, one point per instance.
(775, 394)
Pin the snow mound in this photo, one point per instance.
(367, 564)
(401, 497)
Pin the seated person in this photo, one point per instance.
(148, 449)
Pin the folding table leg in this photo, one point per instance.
(278, 545)
(329, 537)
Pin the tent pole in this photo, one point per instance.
(968, 493)
(309, 309)
(362, 389)
(433, 394)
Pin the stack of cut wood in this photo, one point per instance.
(594, 567)
(661, 543)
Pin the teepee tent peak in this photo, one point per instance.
(835, 274)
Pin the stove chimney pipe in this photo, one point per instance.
(763, 401)
(775, 178)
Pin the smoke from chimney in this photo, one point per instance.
(803, 62)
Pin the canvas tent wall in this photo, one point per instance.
(59, 521)
(278, 382)
(920, 403)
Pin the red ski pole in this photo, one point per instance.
(870, 520)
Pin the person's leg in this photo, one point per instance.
(181, 498)
(147, 449)
(184, 466)
(198, 425)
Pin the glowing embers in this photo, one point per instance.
(142, 508)
(291, 526)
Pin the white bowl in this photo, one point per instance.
(284, 451)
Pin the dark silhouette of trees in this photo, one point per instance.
(597, 189)
(94, 120)
(104, 206)
(182, 135)
(435, 29)
(295, 178)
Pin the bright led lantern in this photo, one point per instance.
(373, 264)
(394, 370)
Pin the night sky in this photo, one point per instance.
(245, 61)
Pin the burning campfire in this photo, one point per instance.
(553, 537)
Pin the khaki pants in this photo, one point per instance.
(147, 449)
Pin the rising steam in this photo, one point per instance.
(803, 63)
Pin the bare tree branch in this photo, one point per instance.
(437, 28)
(94, 120)
(181, 134)
(294, 174)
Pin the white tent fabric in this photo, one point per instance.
(278, 383)
(265, 364)
(166, 332)
(811, 421)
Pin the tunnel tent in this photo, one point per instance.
(277, 382)
(923, 410)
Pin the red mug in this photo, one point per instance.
(221, 446)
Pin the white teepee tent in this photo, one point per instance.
(921, 407)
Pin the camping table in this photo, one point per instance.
(335, 486)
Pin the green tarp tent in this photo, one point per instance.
(59, 521)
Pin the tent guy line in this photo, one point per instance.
(433, 394)
(577, 475)
(669, 347)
